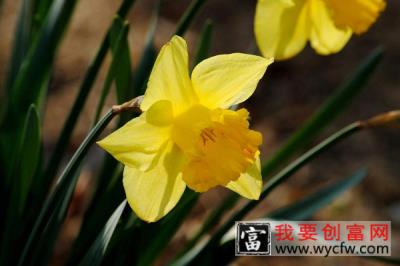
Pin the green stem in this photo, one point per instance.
(67, 177)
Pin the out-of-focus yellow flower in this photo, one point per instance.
(186, 135)
(283, 27)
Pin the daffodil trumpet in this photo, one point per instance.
(186, 134)
(283, 27)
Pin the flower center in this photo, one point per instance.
(359, 15)
(218, 144)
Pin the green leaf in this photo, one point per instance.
(42, 10)
(22, 39)
(155, 237)
(84, 90)
(150, 53)
(298, 211)
(34, 70)
(148, 57)
(61, 195)
(23, 170)
(141, 243)
(204, 43)
(101, 207)
(123, 73)
(335, 105)
(189, 16)
(28, 156)
(122, 30)
(305, 208)
(33, 73)
(99, 247)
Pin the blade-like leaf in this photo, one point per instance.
(99, 247)
(61, 194)
(23, 170)
(123, 72)
(335, 105)
(84, 90)
(141, 243)
(97, 214)
(298, 211)
(149, 55)
(189, 16)
(28, 159)
(32, 74)
(305, 208)
(122, 29)
(155, 237)
(22, 39)
(28, 84)
(204, 43)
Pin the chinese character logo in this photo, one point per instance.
(284, 232)
(379, 231)
(253, 238)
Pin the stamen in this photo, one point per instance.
(226, 148)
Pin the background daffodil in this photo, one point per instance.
(186, 135)
(283, 27)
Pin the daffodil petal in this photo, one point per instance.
(281, 27)
(224, 80)
(152, 194)
(358, 15)
(169, 79)
(249, 184)
(326, 38)
(136, 143)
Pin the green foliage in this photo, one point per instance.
(336, 104)
(98, 249)
(306, 207)
(303, 209)
(34, 199)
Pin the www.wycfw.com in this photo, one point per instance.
(335, 250)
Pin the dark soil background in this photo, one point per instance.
(288, 94)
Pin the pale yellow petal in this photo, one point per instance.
(281, 27)
(224, 80)
(326, 38)
(154, 193)
(138, 141)
(249, 184)
(169, 79)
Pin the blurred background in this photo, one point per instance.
(288, 94)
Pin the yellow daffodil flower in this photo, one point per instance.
(186, 136)
(283, 27)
